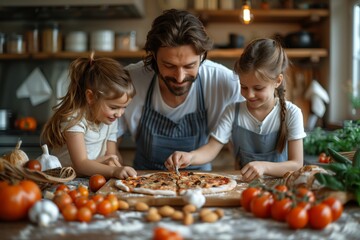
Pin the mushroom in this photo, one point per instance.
(44, 212)
(195, 197)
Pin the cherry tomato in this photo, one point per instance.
(84, 214)
(62, 187)
(33, 165)
(104, 207)
(282, 188)
(319, 216)
(81, 201)
(261, 205)
(335, 206)
(74, 193)
(113, 200)
(91, 205)
(97, 198)
(305, 195)
(96, 182)
(247, 195)
(83, 190)
(280, 209)
(62, 199)
(69, 212)
(161, 233)
(322, 157)
(297, 218)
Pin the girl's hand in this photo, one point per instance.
(112, 160)
(180, 159)
(252, 170)
(124, 172)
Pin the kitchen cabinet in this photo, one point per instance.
(310, 18)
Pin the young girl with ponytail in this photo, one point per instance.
(266, 131)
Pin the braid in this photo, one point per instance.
(282, 139)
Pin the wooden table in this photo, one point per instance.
(236, 224)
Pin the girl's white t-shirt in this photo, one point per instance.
(271, 123)
(95, 137)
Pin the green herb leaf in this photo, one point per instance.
(329, 181)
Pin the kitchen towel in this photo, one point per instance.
(318, 96)
(35, 87)
(62, 85)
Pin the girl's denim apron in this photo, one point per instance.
(250, 146)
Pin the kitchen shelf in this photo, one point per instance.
(312, 53)
(264, 16)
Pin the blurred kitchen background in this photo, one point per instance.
(39, 39)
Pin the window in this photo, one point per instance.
(356, 56)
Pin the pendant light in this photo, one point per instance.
(246, 16)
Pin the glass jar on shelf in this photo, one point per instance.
(15, 43)
(32, 38)
(51, 38)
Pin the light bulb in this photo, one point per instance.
(246, 16)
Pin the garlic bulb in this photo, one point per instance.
(194, 197)
(17, 157)
(48, 161)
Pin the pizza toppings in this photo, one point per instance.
(170, 184)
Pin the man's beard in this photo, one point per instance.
(178, 91)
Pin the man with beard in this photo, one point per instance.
(180, 95)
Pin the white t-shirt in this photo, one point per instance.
(271, 123)
(221, 86)
(95, 136)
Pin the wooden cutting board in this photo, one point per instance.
(231, 198)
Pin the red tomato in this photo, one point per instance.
(113, 200)
(96, 182)
(335, 206)
(62, 187)
(297, 217)
(305, 195)
(81, 201)
(83, 190)
(69, 212)
(33, 165)
(62, 199)
(282, 188)
(84, 214)
(322, 157)
(91, 205)
(16, 199)
(261, 205)
(161, 233)
(104, 207)
(247, 195)
(280, 209)
(319, 216)
(74, 193)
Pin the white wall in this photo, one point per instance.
(340, 59)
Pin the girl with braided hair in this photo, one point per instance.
(82, 130)
(266, 130)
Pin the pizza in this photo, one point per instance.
(171, 184)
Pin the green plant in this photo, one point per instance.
(345, 174)
(341, 140)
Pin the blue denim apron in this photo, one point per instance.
(158, 136)
(250, 146)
